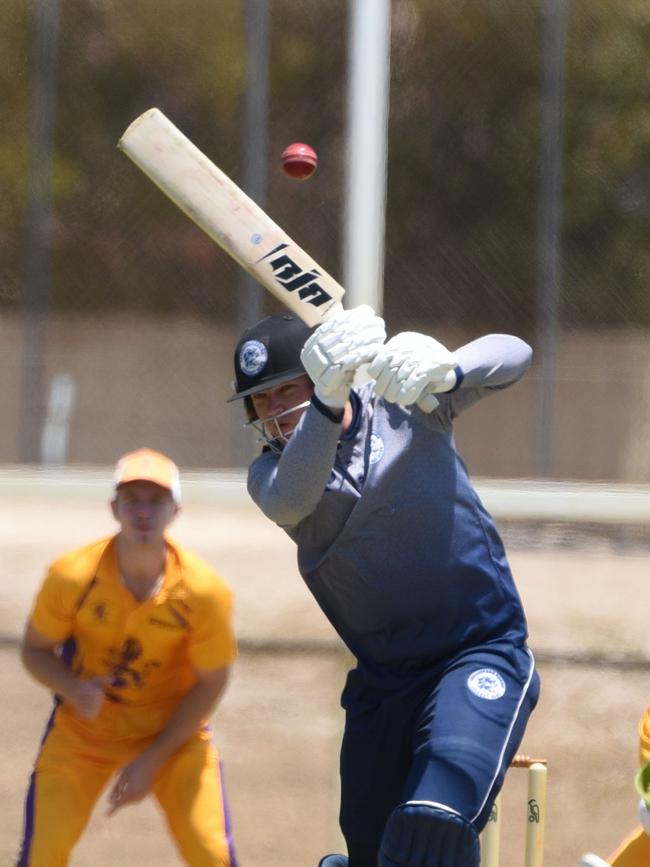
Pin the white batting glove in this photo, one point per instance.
(411, 368)
(345, 340)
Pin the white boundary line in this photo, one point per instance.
(506, 499)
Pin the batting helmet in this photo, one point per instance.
(268, 354)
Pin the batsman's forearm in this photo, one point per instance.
(493, 361)
(283, 490)
(48, 669)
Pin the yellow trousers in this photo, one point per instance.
(71, 772)
(634, 850)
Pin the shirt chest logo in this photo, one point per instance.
(97, 612)
(100, 612)
(377, 448)
(486, 683)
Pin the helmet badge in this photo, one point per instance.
(253, 357)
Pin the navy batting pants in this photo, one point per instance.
(447, 737)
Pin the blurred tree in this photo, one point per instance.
(463, 153)
(607, 190)
(120, 59)
(464, 178)
(14, 153)
(463, 160)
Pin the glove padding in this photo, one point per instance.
(331, 356)
(411, 368)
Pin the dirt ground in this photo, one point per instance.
(279, 723)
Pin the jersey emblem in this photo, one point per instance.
(100, 612)
(486, 683)
(376, 448)
(253, 357)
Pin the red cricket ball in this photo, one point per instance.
(299, 161)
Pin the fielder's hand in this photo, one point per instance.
(87, 696)
(411, 368)
(133, 783)
(337, 348)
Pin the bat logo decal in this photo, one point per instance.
(291, 277)
(228, 216)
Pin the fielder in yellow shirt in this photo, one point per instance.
(634, 850)
(133, 635)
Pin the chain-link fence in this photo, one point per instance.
(118, 317)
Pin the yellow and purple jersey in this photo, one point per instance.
(149, 648)
(644, 737)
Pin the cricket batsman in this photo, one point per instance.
(133, 635)
(406, 563)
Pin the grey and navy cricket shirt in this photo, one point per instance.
(393, 540)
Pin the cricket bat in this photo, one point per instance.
(230, 217)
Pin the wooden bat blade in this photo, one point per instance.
(230, 217)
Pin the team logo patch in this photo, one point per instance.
(486, 683)
(253, 357)
(100, 612)
(376, 448)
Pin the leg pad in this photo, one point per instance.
(424, 835)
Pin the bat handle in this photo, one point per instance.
(333, 311)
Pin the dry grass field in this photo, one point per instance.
(279, 723)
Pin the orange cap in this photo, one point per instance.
(146, 465)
